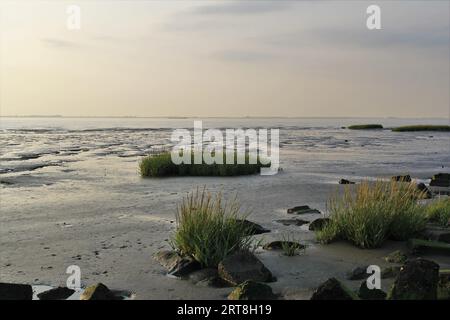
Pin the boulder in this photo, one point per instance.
(242, 266)
(345, 181)
(98, 292)
(440, 180)
(332, 289)
(428, 246)
(370, 294)
(405, 178)
(302, 210)
(423, 189)
(318, 224)
(60, 293)
(417, 280)
(203, 274)
(250, 290)
(292, 222)
(357, 273)
(254, 228)
(176, 265)
(436, 234)
(443, 292)
(390, 272)
(15, 291)
(396, 257)
(278, 245)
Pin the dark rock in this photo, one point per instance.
(59, 293)
(345, 181)
(242, 266)
(176, 265)
(443, 291)
(278, 245)
(15, 291)
(318, 224)
(302, 210)
(98, 292)
(405, 178)
(292, 222)
(436, 234)
(250, 290)
(417, 280)
(440, 180)
(424, 190)
(390, 272)
(254, 228)
(396, 257)
(357, 273)
(203, 274)
(332, 289)
(422, 246)
(370, 294)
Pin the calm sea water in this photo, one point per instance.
(49, 147)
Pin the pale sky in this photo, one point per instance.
(225, 58)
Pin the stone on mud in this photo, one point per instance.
(332, 289)
(242, 266)
(370, 294)
(59, 293)
(98, 292)
(318, 224)
(251, 290)
(15, 291)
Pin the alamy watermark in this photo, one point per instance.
(237, 146)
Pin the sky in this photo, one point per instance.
(217, 58)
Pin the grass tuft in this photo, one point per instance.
(423, 127)
(209, 229)
(374, 213)
(439, 211)
(365, 126)
(161, 165)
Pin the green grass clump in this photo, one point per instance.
(423, 127)
(439, 211)
(365, 126)
(209, 229)
(374, 213)
(161, 165)
(290, 247)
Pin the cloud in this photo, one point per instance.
(59, 43)
(242, 7)
(242, 55)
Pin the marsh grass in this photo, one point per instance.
(439, 211)
(209, 229)
(161, 165)
(423, 127)
(373, 213)
(365, 126)
(290, 246)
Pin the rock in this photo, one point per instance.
(358, 273)
(278, 245)
(422, 246)
(345, 181)
(423, 189)
(405, 178)
(292, 222)
(250, 290)
(417, 280)
(176, 265)
(203, 274)
(440, 180)
(332, 289)
(242, 266)
(390, 272)
(59, 293)
(370, 294)
(254, 228)
(436, 234)
(98, 292)
(15, 291)
(443, 291)
(302, 210)
(396, 257)
(318, 224)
